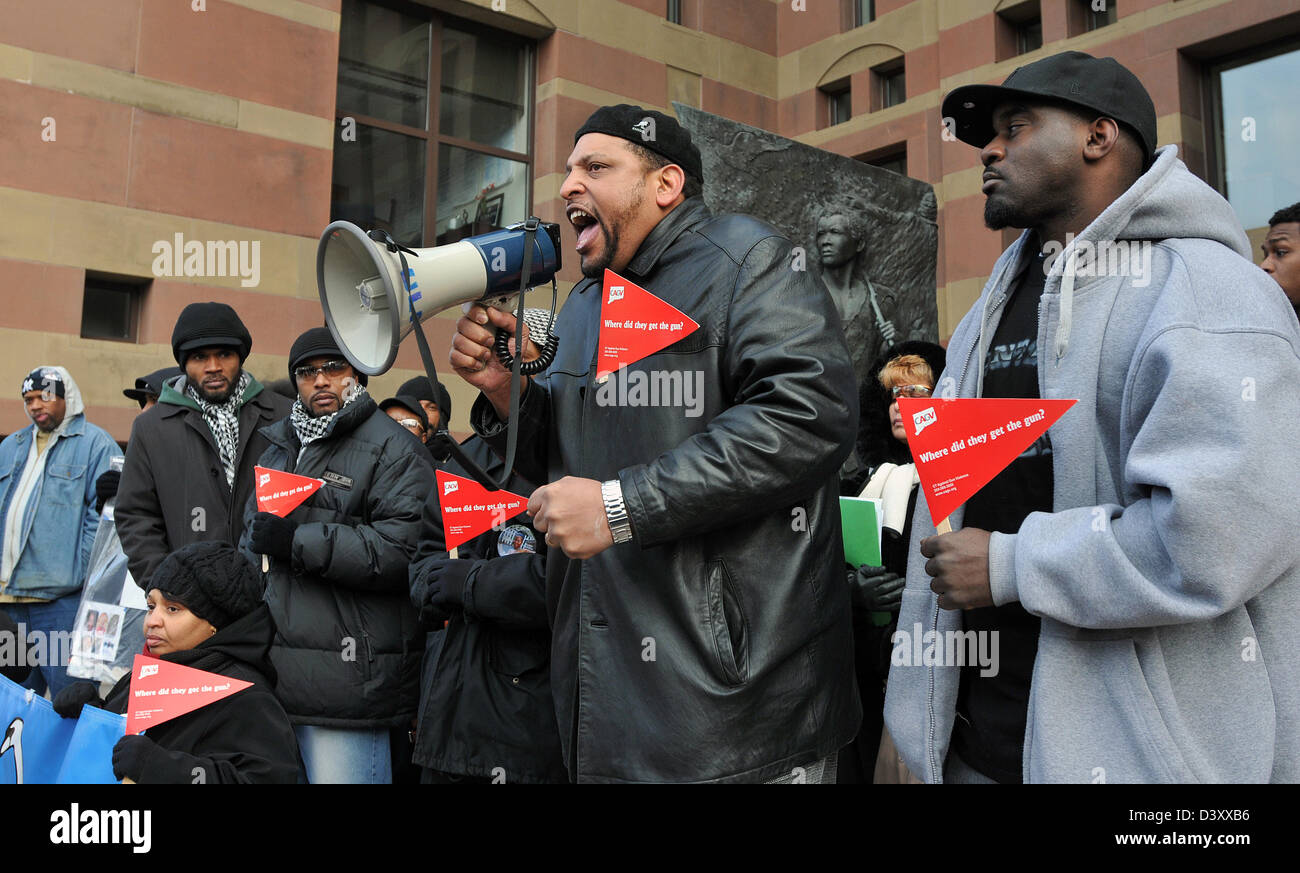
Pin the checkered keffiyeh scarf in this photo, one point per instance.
(311, 429)
(223, 421)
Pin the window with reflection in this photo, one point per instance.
(433, 141)
(1258, 126)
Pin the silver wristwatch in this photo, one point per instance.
(615, 512)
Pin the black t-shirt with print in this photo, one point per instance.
(991, 710)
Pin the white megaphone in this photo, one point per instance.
(370, 309)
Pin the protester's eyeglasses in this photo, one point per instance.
(910, 391)
(410, 424)
(329, 368)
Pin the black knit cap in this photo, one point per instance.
(315, 343)
(649, 129)
(202, 325)
(212, 579)
(419, 389)
(1103, 85)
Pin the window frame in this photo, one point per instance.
(881, 76)
(1216, 147)
(431, 133)
(135, 285)
(833, 93)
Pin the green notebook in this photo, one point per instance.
(862, 524)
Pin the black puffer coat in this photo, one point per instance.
(348, 645)
(716, 645)
(245, 737)
(485, 704)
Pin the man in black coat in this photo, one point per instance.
(695, 583)
(189, 464)
(486, 713)
(348, 643)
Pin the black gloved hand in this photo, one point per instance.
(69, 701)
(131, 754)
(875, 589)
(447, 584)
(106, 488)
(271, 535)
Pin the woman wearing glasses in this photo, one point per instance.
(910, 369)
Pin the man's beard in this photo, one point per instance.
(49, 426)
(610, 233)
(999, 213)
(218, 397)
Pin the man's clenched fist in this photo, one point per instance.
(959, 567)
(473, 358)
(571, 513)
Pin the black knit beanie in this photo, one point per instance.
(212, 579)
(202, 325)
(314, 343)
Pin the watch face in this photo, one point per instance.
(514, 539)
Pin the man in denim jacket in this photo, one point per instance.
(47, 503)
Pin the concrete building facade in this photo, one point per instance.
(149, 144)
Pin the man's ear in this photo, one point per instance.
(1103, 136)
(668, 185)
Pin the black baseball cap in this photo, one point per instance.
(151, 385)
(408, 403)
(1103, 85)
(649, 129)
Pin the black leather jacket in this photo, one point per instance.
(717, 644)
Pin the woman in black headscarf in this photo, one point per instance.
(205, 610)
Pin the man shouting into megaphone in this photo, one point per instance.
(700, 613)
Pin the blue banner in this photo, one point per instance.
(89, 760)
(40, 747)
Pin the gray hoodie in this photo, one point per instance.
(1168, 576)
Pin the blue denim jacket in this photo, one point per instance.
(61, 511)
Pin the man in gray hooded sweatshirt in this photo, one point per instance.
(1140, 566)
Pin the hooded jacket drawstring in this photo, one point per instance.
(1067, 304)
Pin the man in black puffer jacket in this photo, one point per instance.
(347, 644)
(486, 713)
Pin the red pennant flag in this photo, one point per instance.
(161, 690)
(280, 493)
(469, 509)
(635, 324)
(960, 445)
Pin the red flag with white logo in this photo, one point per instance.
(280, 493)
(469, 509)
(960, 445)
(635, 324)
(161, 691)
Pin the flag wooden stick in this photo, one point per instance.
(943, 527)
